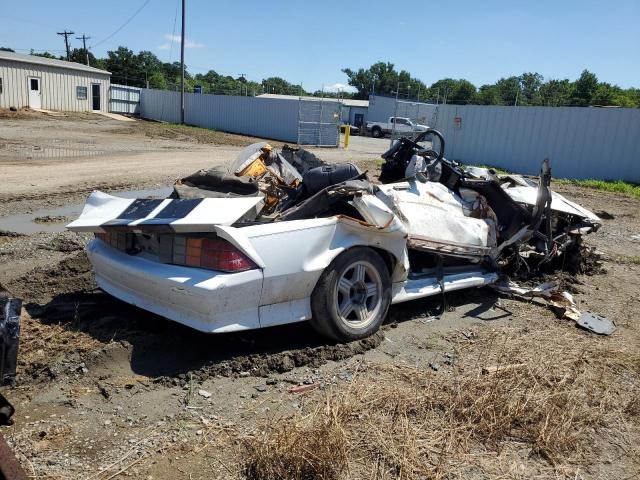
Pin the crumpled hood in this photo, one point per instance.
(103, 211)
(528, 195)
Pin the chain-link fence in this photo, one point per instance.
(412, 118)
(319, 122)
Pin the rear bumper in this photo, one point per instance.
(208, 301)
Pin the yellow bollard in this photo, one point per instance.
(347, 135)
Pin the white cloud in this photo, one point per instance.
(335, 87)
(176, 39)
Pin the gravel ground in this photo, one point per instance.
(105, 388)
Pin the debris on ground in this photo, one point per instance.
(10, 309)
(561, 302)
(204, 393)
(304, 388)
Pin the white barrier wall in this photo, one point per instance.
(269, 118)
(598, 143)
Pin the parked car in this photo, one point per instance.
(402, 126)
(275, 239)
(353, 130)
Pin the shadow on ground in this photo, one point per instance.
(159, 348)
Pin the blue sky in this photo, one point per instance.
(310, 42)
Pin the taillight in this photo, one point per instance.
(191, 251)
(121, 240)
(216, 254)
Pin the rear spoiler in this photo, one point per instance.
(103, 212)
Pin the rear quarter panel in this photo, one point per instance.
(295, 253)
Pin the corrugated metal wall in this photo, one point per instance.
(381, 108)
(259, 117)
(161, 105)
(124, 99)
(600, 143)
(57, 87)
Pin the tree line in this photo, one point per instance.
(144, 69)
(530, 88)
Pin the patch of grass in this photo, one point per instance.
(193, 128)
(633, 260)
(615, 186)
(406, 422)
(312, 447)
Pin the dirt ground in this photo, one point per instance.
(107, 390)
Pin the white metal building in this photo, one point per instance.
(38, 82)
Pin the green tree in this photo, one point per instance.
(124, 67)
(382, 78)
(612, 95)
(459, 91)
(157, 80)
(79, 55)
(444, 89)
(509, 90)
(530, 84)
(554, 93)
(585, 88)
(280, 86)
(464, 92)
(6, 49)
(44, 54)
(489, 95)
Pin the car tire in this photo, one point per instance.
(376, 132)
(352, 296)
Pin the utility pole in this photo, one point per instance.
(84, 39)
(242, 75)
(66, 34)
(182, 64)
(395, 113)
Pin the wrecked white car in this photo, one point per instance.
(279, 237)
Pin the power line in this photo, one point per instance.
(122, 26)
(66, 34)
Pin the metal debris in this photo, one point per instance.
(204, 393)
(9, 338)
(10, 469)
(562, 303)
(596, 323)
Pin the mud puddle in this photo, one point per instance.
(53, 220)
(65, 295)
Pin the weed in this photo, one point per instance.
(615, 186)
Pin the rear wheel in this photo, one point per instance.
(352, 296)
(376, 132)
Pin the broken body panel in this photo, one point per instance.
(279, 235)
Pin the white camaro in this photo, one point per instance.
(267, 244)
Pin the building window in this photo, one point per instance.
(34, 84)
(81, 93)
(0, 84)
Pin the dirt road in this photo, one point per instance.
(106, 390)
(51, 161)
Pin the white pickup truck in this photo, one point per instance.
(403, 125)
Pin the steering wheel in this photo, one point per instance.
(424, 134)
